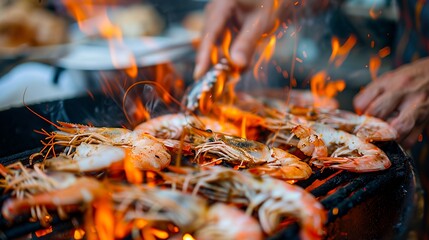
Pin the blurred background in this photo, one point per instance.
(62, 49)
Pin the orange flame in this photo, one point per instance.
(133, 174)
(374, 65)
(188, 236)
(244, 127)
(340, 53)
(214, 55)
(159, 233)
(92, 19)
(323, 91)
(79, 233)
(140, 113)
(375, 13)
(122, 228)
(265, 57)
(226, 44)
(384, 52)
(43, 232)
(104, 219)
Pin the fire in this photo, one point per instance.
(160, 234)
(188, 236)
(104, 219)
(79, 233)
(375, 13)
(140, 113)
(133, 174)
(226, 44)
(43, 232)
(374, 65)
(340, 52)
(265, 57)
(323, 91)
(92, 17)
(384, 52)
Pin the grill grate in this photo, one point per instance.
(340, 192)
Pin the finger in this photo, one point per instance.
(412, 138)
(246, 41)
(364, 98)
(217, 13)
(384, 105)
(409, 114)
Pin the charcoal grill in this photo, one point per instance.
(380, 205)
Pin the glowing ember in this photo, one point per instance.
(374, 65)
(43, 232)
(384, 52)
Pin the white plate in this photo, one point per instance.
(108, 55)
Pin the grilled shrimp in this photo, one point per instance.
(366, 127)
(270, 198)
(228, 222)
(157, 205)
(92, 149)
(34, 191)
(349, 152)
(286, 167)
(191, 214)
(172, 126)
(310, 143)
(256, 156)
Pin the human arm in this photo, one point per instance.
(401, 97)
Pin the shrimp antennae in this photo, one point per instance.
(160, 87)
(35, 113)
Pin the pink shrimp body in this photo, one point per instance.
(69, 190)
(229, 222)
(284, 165)
(291, 200)
(351, 152)
(366, 127)
(172, 126)
(98, 148)
(310, 143)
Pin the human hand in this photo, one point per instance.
(254, 18)
(401, 97)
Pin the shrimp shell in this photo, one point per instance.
(172, 126)
(354, 153)
(228, 222)
(98, 148)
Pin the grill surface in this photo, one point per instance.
(360, 206)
